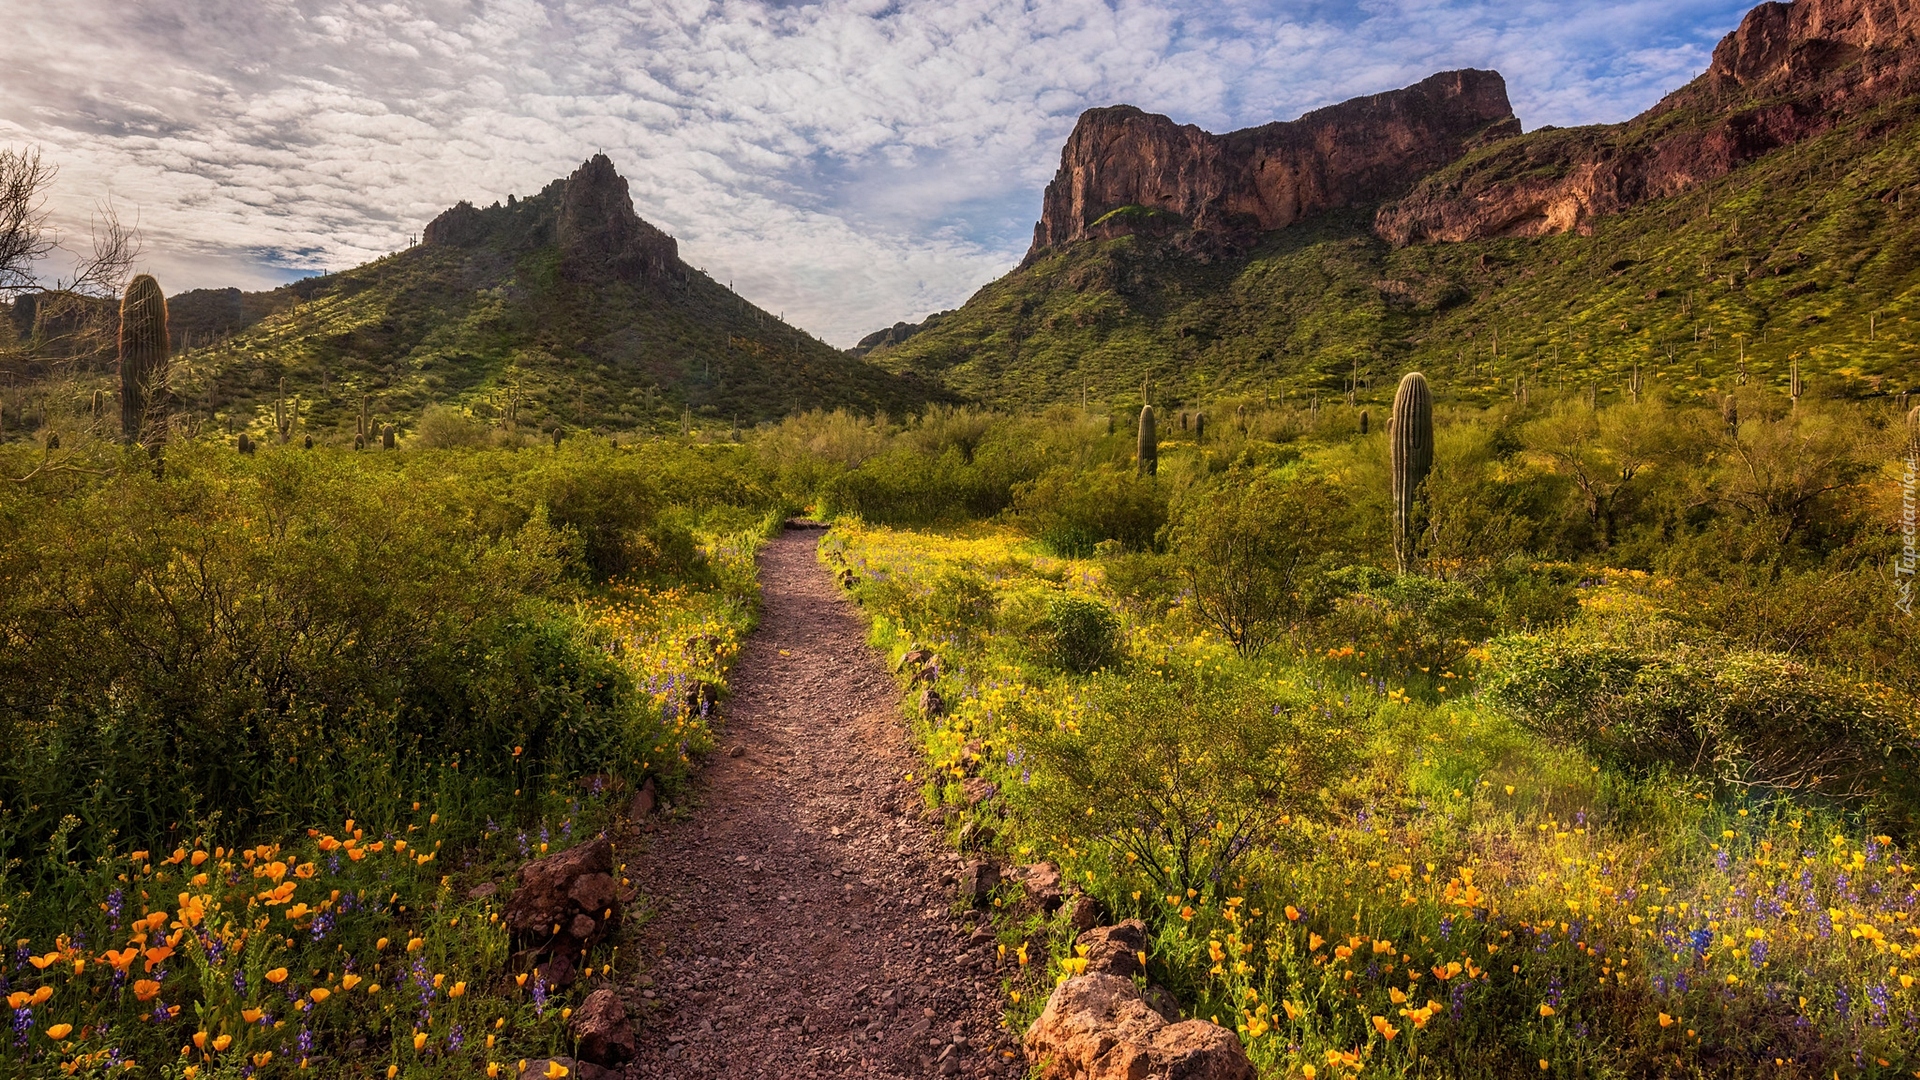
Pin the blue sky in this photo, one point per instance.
(848, 163)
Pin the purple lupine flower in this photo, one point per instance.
(22, 1023)
(1758, 953)
(539, 997)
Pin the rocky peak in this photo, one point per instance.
(600, 235)
(1125, 171)
(1789, 73)
(589, 216)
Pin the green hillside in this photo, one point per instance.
(492, 324)
(1805, 254)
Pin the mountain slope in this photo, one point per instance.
(565, 307)
(1804, 251)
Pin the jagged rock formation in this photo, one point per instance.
(896, 334)
(1125, 171)
(589, 216)
(1790, 72)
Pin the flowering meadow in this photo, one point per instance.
(276, 732)
(1371, 866)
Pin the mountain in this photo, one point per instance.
(566, 308)
(1125, 171)
(1755, 216)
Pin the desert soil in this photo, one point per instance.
(799, 923)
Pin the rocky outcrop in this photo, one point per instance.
(1099, 1027)
(1790, 72)
(896, 334)
(589, 216)
(1125, 171)
(601, 236)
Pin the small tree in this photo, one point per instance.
(1243, 548)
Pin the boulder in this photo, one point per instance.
(978, 789)
(1098, 1027)
(604, 1037)
(566, 903)
(932, 705)
(1115, 950)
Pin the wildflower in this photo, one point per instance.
(59, 1031)
(144, 989)
(1387, 1031)
(555, 1070)
(277, 975)
(459, 989)
(419, 1041)
(1545, 1009)
(221, 1042)
(319, 994)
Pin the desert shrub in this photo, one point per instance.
(1176, 771)
(1742, 717)
(1071, 510)
(443, 427)
(1245, 547)
(1082, 635)
(1413, 626)
(1143, 582)
(953, 606)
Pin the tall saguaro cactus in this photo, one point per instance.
(1410, 438)
(1148, 449)
(144, 361)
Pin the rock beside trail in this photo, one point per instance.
(536, 1069)
(1115, 950)
(1042, 882)
(601, 1028)
(977, 880)
(1098, 1027)
(565, 905)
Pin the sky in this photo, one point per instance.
(848, 163)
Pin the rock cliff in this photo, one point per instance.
(1790, 72)
(1125, 171)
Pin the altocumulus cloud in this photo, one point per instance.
(850, 162)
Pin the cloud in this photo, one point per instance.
(848, 162)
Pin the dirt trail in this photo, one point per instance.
(800, 922)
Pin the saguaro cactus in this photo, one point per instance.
(244, 443)
(1365, 421)
(1730, 412)
(283, 415)
(1147, 451)
(386, 437)
(1794, 386)
(1635, 384)
(144, 362)
(1199, 427)
(1410, 440)
(364, 434)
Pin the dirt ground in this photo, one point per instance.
(800, 926)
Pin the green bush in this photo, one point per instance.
(1083, 635)
(1177, 770)
(1247, 546)
(1071, 510)
(1741, 717)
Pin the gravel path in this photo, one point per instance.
(800, 922)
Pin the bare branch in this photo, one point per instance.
(116, 246)
(24, 239)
